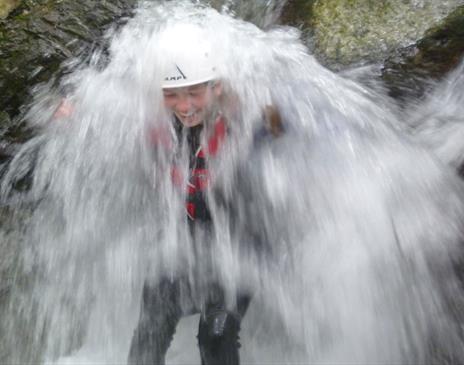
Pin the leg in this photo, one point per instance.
(218, 331)
(159, 315)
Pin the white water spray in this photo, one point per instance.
(346, 232)
(438, 121)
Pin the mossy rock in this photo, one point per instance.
(348, 32)
(6, 6)
(416, 40)
(39, 35)
(409, 71)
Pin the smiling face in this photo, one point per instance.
(192, 104)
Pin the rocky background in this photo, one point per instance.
(36, 37)
(411, 40)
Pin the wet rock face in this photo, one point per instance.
(415, 40)
(39, 35)
(299, 14)
(438, 52)
(35, 39)
(347, 32)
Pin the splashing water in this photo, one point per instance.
(438, 121)
(346, 232)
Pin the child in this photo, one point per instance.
(191, 92)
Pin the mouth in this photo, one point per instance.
(190, 118)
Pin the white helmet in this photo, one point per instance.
(186, 55)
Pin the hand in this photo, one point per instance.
(64, 110)
(273, 120)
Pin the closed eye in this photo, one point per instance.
(169, 95)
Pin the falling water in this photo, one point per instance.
(346, 231)
(438, 121)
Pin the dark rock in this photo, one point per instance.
(35, 41)
(39, 35)
(409, 71)
(298, 13)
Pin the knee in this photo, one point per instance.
(218, 326)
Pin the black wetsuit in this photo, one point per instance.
(164, 303)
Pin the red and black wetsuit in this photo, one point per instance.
(161, 303)
(199, 178)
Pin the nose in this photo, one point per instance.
(184, 104)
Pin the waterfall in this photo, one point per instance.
(347, 230)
